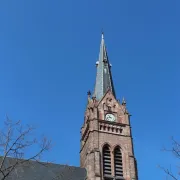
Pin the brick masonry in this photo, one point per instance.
(96, 132)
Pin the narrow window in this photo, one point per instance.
(106, 161)
(118, 166)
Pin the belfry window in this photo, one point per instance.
(118, 165)
(106, 161)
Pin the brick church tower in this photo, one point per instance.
(106, 140)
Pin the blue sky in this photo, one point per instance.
(48, 51)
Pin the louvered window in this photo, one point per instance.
(118, 166)
(106, 161)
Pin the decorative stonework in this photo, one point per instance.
(96, 131)
(115, 129)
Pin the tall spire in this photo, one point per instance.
(104, 80)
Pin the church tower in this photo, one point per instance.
(106, 140)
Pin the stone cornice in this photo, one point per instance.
(108, 122)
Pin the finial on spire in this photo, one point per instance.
(89, 93)
(102, 33)
(123, 102)
(102, 36)
(89, 96)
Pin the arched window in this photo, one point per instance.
(118, 165)
(106, 161)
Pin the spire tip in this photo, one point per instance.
(102, 35)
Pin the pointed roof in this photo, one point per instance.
(104, 80)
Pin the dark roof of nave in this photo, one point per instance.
(44, 171)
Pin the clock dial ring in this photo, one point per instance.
(110, 117)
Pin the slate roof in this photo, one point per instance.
(44, 171)
(104, 80)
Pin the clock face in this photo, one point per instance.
(110, 117)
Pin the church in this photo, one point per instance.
(106, 140)
(106, 151)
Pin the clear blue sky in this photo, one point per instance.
(48, 51)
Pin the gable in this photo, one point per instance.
(109, 104)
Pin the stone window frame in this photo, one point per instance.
(112, 149)
(120, 149)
